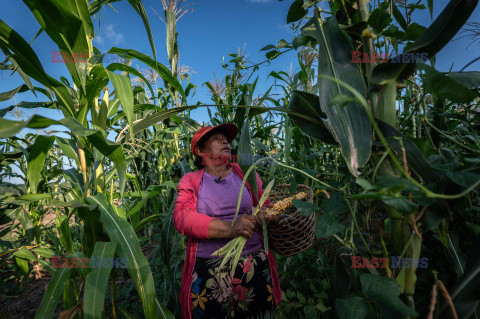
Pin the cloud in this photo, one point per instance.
(284, 27)
(109, 34)
(98, 39)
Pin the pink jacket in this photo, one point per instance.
(189, 222)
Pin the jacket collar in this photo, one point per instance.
(235, 168)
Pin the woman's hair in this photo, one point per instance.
(201, 144)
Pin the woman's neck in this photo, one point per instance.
(217, 170)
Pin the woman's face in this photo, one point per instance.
(216, 146)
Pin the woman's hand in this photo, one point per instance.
(244, 225)
(269, 219)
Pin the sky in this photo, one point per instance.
(206, 35)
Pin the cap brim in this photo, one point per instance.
(230, 130)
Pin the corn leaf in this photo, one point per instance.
(123, 234)
(97, 280)
(29, 63)
(53, 293)
(125, 68)
(349, 124)
(36, 160)
(162, 312)
(432, 40)
(108, 148)
(163, 71)
(66, 29)
(138, 6)
(123, 90)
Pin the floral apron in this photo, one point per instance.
(249, 294)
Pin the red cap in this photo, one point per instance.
(229, 129)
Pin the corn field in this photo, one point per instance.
(389, 144)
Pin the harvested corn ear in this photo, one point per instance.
(233, 249)
(284, 204)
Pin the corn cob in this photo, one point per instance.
(284, 204)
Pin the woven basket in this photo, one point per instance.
(294, 232)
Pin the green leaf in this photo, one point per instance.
(24, 218)
(44, 252)
(163, 71)
(336, 204)
(24, 253)
(30, 198)
(64, 233)
(53, 293)
(245, 153)
(156, 117)
(110, 149)
(30, 64)
(379, 19)
(68, 148)
(327, 226)
(440, 32)
(125, 314)
(268, 47)
(366, 185)
(80, 8)
(122, 233)
(415, 158)
(465, 179)
(470, 80)
(272, 54)
(384, 292)
(465, 294)
(445, 87)
(22, 264)
(401, 204)
(392, 185)
(145, 221)
(138, 6)
(305, 208)
(399, 17)
(308, 104)
(342, 281)
(430, 8)
(353, 307)
(162, 312)
(341, 99)
(296, 11)
(97, 280)
(123, 90)
(349, 124)
(413, 32)
(64, 27)
(36, 160)
(152, 192)
(8, 95)
(125, 68)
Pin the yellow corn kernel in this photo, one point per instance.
(284, 204)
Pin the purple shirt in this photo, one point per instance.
(219, 200)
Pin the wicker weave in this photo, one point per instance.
(294, 232)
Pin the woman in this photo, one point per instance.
(204, 209)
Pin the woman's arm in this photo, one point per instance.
(186, 219)
(244, 226)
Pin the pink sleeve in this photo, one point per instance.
(186, 219)
(261, 191)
